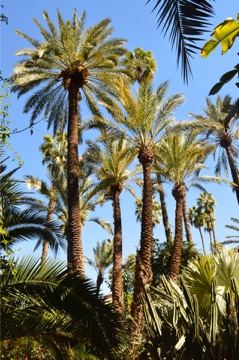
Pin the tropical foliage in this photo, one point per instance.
(57, 308)
(198, 317)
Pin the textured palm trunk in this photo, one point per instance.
(143, 271)
(45, 246)
(99, 281)
(166, 223)
(202, 239)
(75, 251)
(187, 222)
(179, 193)
(117, 253)
(234, 170)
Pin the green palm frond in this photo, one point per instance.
(185, 22)
(46, 301)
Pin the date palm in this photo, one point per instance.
(233, 238)
(71, 63)
(103, 258)
(197, 219)
(206, 203)
(219, 127)
(181, 158)
(144, 118)
(111, 163)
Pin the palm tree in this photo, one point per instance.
(140, 65)
(219, 127)
(181, 158)
(111, 167)
(206, 204)
(143, 119)
(197, 219)
(70, 63)
(185, 21)
(103, 258)
(58, 308)
(156, 211)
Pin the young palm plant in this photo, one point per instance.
(70, 63)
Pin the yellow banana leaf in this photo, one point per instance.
(224, 34)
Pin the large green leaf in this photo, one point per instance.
(224, 34)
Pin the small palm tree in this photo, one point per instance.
(70, 63)
(206, 203)
(103, 258)
(197, 219)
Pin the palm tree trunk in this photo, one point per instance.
(45, 245)
(99, 282)
(202, 239)
(143, 271)
(117, 254)
(187, 222)
(165, 217)
(75, 251)
(234, 170)
(179, 194)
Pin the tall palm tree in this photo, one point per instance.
(181, 158)
(143, 119)
(111, 166)
(103, 258)
(185, 21)
(219, 127)
(70, 63)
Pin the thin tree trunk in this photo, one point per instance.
(45, 246)
(234, 170)
(202, 239)
(143, 271)
(75, 251)
(117, 254)
(166, 223)
(187, 222)
(179, 194)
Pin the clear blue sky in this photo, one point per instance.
(132, 20)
